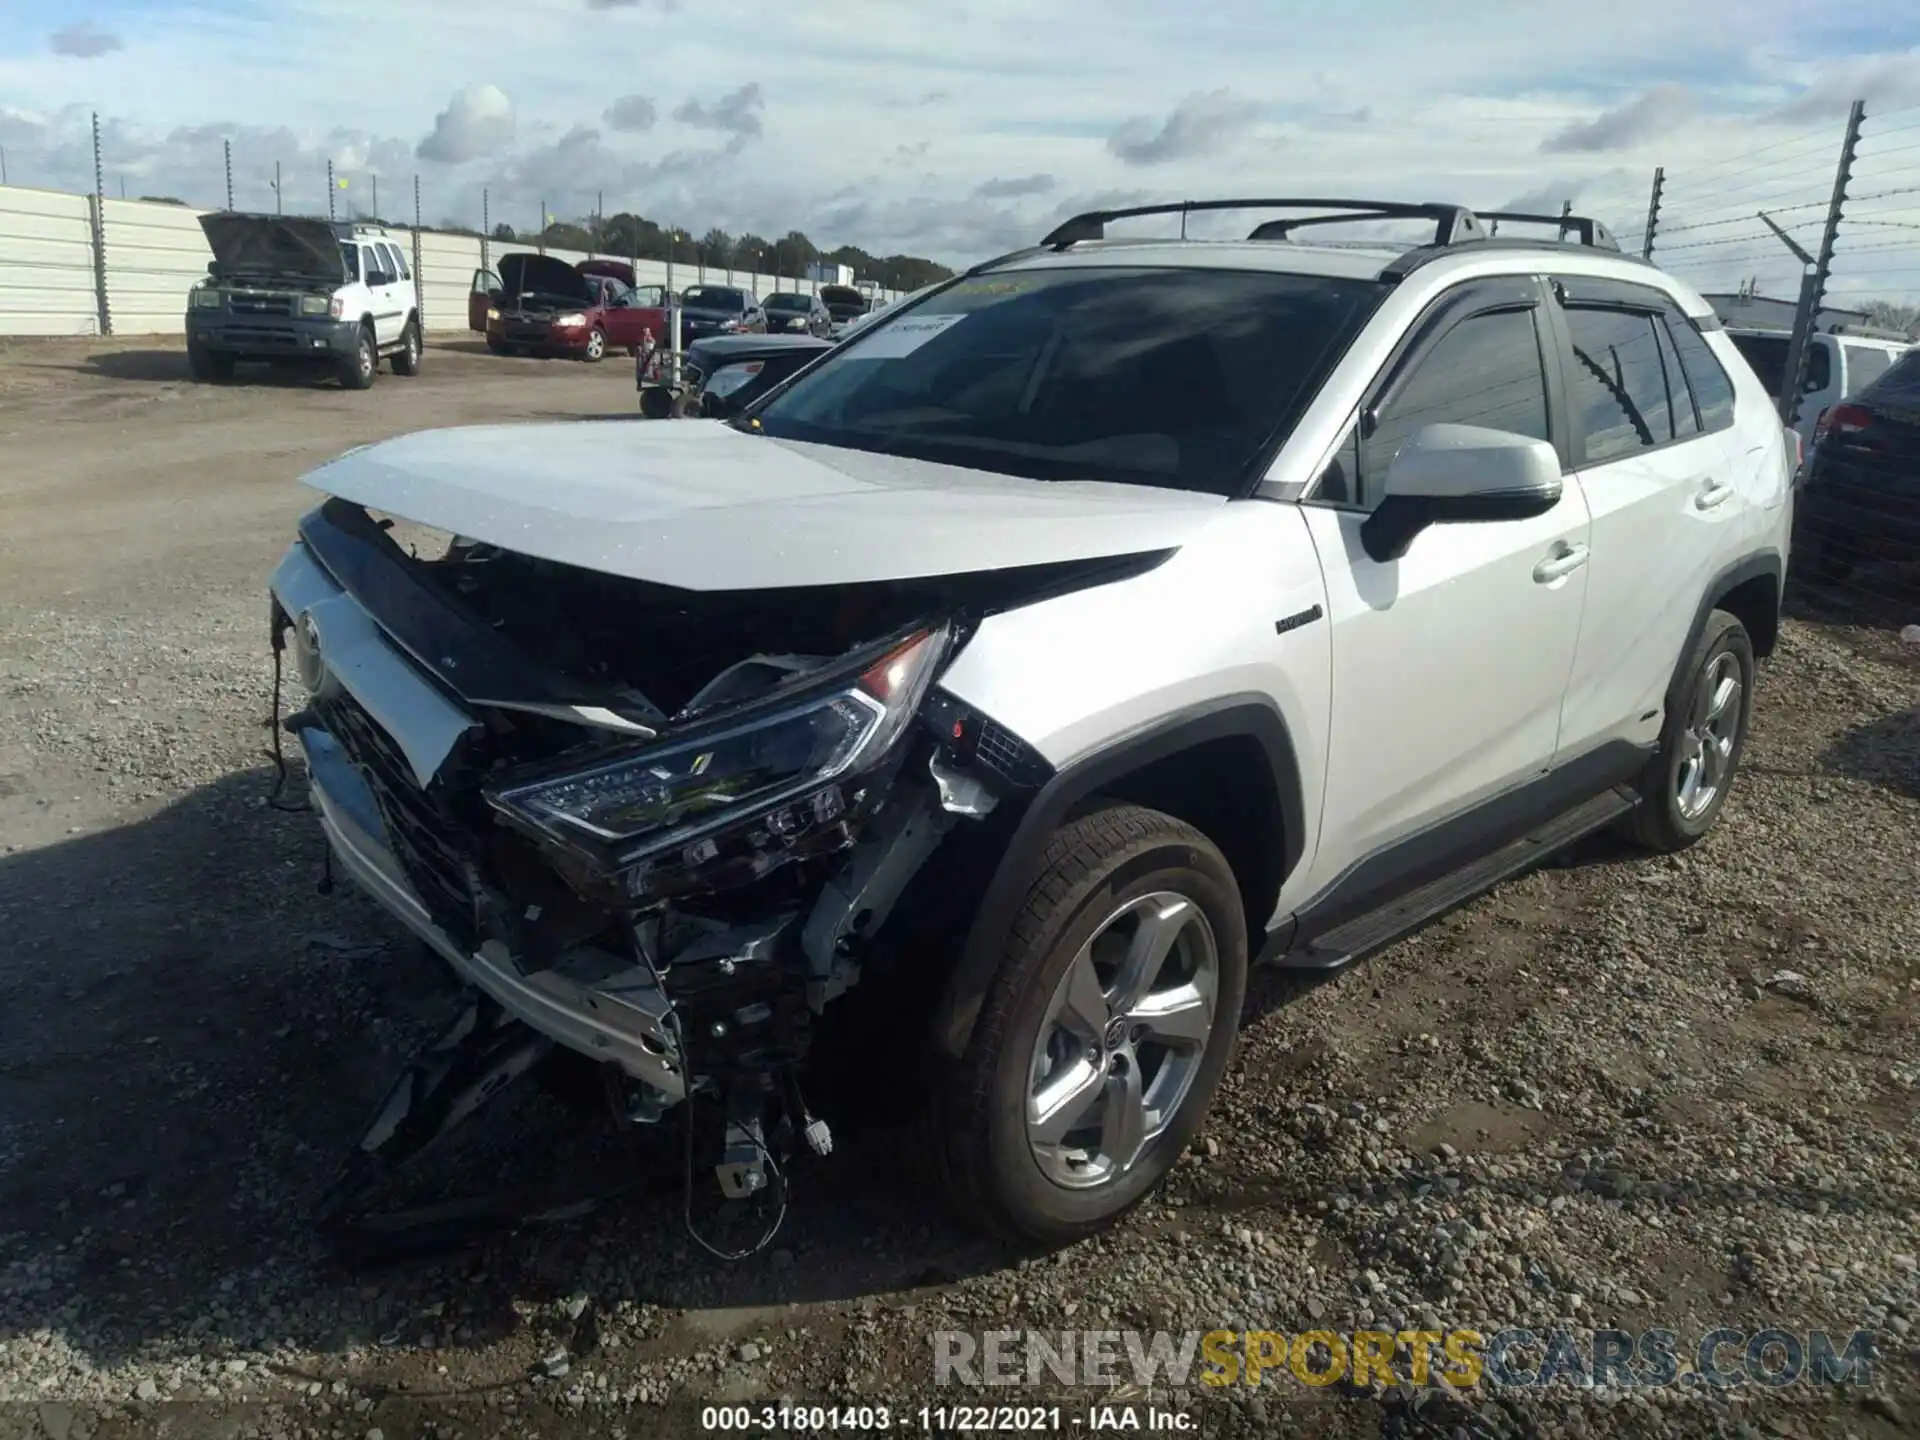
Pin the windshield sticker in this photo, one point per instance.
(905, 335)
(970, 288)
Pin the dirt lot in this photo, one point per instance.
(1591, 1099)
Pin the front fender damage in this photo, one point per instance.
(691, 984)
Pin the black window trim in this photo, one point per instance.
(1445, 313)
(1664, 327)
(1587, 293)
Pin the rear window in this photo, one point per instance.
(714, 297)
(1901, 384)
(1865, 364)
(1767, 354)
(1176, 378)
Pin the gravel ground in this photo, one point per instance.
(1622, 1091)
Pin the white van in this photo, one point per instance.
(1839, 364)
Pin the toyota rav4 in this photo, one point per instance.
(958, 723)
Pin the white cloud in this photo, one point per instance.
(1204, 123)
(477, 121)
(631, 113)
(1652, 116)
(858, 122)
(83, 40)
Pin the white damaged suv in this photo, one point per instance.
(957, 725)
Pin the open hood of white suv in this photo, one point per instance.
(701, 506)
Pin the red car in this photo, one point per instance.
(540, 304)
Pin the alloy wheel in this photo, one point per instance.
(1706, 745)
(1123, 1040)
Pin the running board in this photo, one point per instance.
(1367, 933)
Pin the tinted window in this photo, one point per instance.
(1619, 390)
(406, 271)
(1178, 378)
(1767, 354)
(1865, 365)
(1901, 384)
(1712, 390)
(714, 297)
(1485, 371)
(351, 255)
(1685, 421)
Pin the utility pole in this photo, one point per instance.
(276, 189)
(330, 211)
(1653, 211)
(227, 145)
(1814, 286)
(99, 218)
(486, 233)
(543, 225)
(419, 278)
(376, 198)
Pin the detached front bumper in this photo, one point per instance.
(601, 1005)
(271, 337)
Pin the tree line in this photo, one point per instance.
(632, 235)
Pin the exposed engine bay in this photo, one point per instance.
(661, 829)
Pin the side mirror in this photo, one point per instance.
(1447, 474)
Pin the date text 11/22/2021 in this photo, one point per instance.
(945, 1419)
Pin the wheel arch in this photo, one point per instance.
(1257, 818)
(1750, 591)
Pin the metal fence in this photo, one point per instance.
(1816, 239)
(100, 264)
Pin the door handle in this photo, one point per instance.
(1713, 493)
(1564, 560)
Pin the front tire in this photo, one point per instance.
(1105, 1031)
(406, 360)
(361, 363)
(209, 365)
(596, 350)
(1685, 785)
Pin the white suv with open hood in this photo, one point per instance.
(960, 722)
(291, 287)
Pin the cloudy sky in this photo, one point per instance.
(875, 123)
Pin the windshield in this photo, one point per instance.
(788, 302)
(1177, 378)
(351, 255)
(714, 297)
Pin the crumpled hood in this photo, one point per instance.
(292, 245)
(706, 507)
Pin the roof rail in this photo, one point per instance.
(1592, 233)
(1452, 223)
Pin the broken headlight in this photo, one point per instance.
(648, 800)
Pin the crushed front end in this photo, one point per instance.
(656, 827)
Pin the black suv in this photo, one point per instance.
(1860, 498)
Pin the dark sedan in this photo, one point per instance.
(796, 312)
(1860, 498)
(719, 310)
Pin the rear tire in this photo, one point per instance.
(1685, 785)
(406, 360)
(362, 363)
(1067, 1109)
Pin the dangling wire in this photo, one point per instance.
(280, 776)
(773, 1165)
